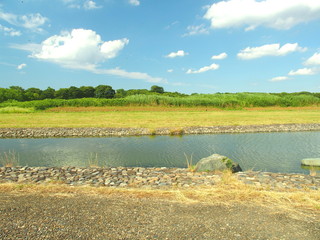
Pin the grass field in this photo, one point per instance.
(157, 117)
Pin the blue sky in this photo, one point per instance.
(202, 46)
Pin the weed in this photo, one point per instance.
(10, 159)
(190, 166)
(176, 131)
(152, 132)
(93, 161)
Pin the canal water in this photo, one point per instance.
(273, 152)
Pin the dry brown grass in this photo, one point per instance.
(228, 191)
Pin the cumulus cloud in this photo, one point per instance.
(314, 60)
(302, 71)
(170, 70)
(134, 2)
(79, 48)
(179, 53)
(196, 30)
(32, 21)
(275, 14)
(279, 79)
(21, 66)
(9, 31)
(88, 5)
(83, 49)
(220, 56)
(204, 69)
(270, 50)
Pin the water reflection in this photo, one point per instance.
(275, 152)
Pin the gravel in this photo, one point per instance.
(35, 216)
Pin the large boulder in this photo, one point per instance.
(217, 162)
(315, 162)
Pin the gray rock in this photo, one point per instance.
(311, 162)
(217, 162)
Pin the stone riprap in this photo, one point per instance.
(150, 177)
(105, 132)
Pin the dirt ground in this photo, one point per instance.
(75, 216)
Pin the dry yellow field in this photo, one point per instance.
(157, 117)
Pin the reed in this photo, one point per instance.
(9, 159)
(218, 100)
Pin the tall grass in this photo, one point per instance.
(9, 159)
(218, 100)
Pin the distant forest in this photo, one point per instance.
(104, 95)
(102, 91)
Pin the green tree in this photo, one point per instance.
(87, 92)
(104, 91)
(15, 93)
(157, 89)
(48, 93)
(120, 93)
(74, 93)
(32, 94)
(137, 92)
(62, 93)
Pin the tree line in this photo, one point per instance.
(102, 91)
(107, 92)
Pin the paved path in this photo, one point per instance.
(35, 216)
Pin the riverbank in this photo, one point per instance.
(156, 203)
(153, 178)
(107, 132)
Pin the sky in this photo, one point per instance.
(188, 46)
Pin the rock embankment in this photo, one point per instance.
(150, 177)
(106, 132)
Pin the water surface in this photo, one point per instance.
(275, 152)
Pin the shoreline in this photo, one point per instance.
(119, 132)
(153, 178)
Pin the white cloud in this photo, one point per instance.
(314, 60)
(79, 48)
(21, 66)
(131, 75)
(196, 30)
(32, 21)
(278, 14)
(83, 49)
(90, 5)
(279, 79)
(10, 31)
(179, 53)
(134, 2)
(204, 69)
(30, 47)
(302, 71)
(220, 56)
(79, 4)
(270, 50)
(170, 70)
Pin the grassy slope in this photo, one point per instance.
(159, 117)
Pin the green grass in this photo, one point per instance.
(177, 119)
(16, 110)
(218, 100)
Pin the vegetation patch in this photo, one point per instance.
(9, 159)
(16, 110)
